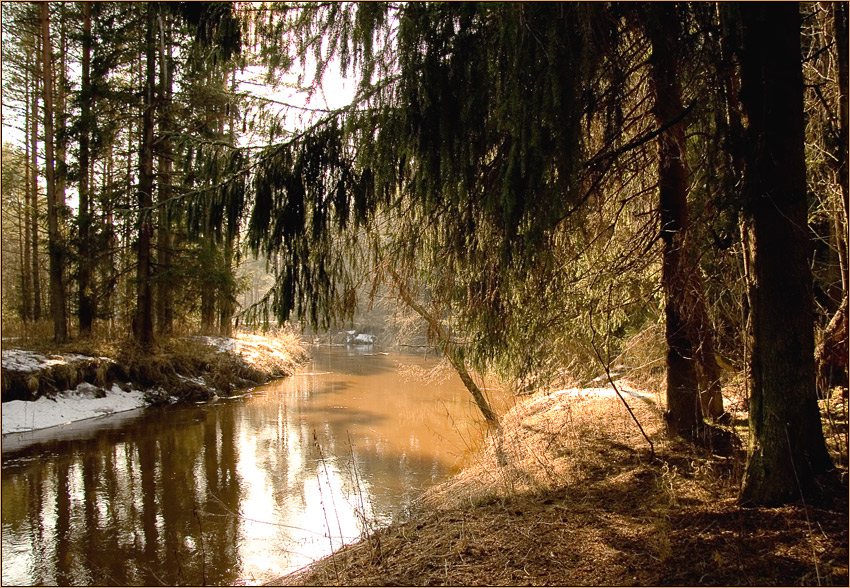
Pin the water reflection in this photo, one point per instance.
(236, 491)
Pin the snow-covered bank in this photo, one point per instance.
(84, 402)
(45, 390)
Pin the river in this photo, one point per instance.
(237, 491)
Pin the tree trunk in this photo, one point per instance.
(840, 17)
(36, 278)
(842, 217)
(164, 297)
(693, 386)
(787, 448)
(26, 276)
(452, 352)
(109, 275)
(226, 307)
(143, 320)
(55, 199)
(22, 213)
(85, 312)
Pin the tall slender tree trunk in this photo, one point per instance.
(26, 276)
(452, 352)
(36, 277)
(693, 386)
(22, 212)
(55, 199)
(787, 448)
(60, 115)
(840, 18)
(164, 298)
(85, 312)
(227, 294)
(127, 299)
(110, 274)
(143, 321)
(208, 295)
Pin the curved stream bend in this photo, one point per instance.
(237, 491)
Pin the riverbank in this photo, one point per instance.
(578, 498)
(45, 386)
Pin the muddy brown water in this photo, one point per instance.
(235, 491)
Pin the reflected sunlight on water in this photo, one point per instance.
(242, 490)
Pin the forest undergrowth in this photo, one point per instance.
(580, 498)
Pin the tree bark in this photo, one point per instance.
(143, 320)
(26, 276)
(36, 278)
(85, 311)
(164, 297)
(787, 449)
(55, 199)
(693, 384)
(227, 294)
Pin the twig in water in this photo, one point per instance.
(324, 510)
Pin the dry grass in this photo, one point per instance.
(578, 500)
(546, 443)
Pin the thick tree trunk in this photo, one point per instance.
(787, 448)
(85, 311)
(55, 201)
(693, 386)
(143, 320)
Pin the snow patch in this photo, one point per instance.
(84, 402)
(582, 393)
(253, 348)
(29, 361)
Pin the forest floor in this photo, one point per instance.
(578, 498)
(44, 384)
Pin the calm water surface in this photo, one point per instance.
(237, 491)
